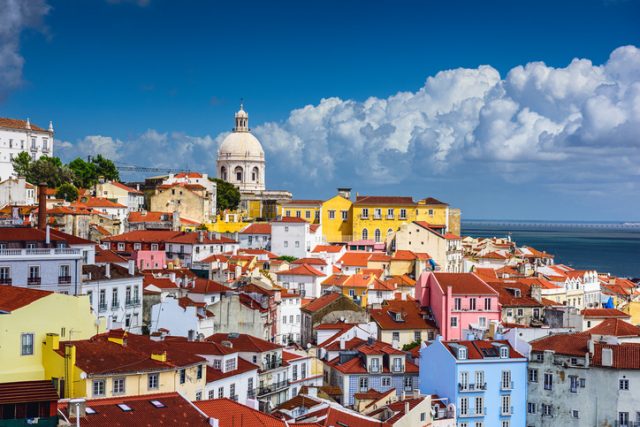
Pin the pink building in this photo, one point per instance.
(461, 303)
(149, 260)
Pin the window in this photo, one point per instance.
(154, 246)
(464, 406)
(121, 246)
(232, 391)
(238, 172)
(287, 213)
(457, 304)
(386, 381)
(183, 376)
(198, 395)
(230, 365)
(152, 381)
(255, 174)
(377, 235)
(365, 234)
(332, 214)
(5, 275)
(34, 272)
(377, 213)
(212, 394)
(298, 214)
(417, 336)
(472, 303)
(506, 380)
(504, 352)
(307, 214)
(114, 298)
(547, 410)
(479, 406)
(286, 244)
(548, 381)
(26, 341)
(403, 214)
(624, 384)
(408, 383)
(533, 375)
(284, 319)
(98, 388)
(531, 408)
(345, 215)
(390, 213)
(365, 213)
(487, 303)
(364, 383)
(573, 383)
(118, 386)
(505, 423)
(137, 246)
(479, 379)
(623, 418)
(454, 322)
(297, 243)
(217, 363)
(506, 404)
(220, 392)
(575, 413)
(199, 372)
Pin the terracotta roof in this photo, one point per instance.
(302, 270)
(433, 201)
(401, 281)
(242, 367)
(310, 261)
(70, 238)
(603, 313)
(159, 282)
(98, 202)
(355, 259)
(508, 295)
(24, 234)
(292, 219)
(143, 236)
(205, 286)
(567, 344)
(172, 410)
(486, 273)
(404, 256)
(615, 327)
(150, 216)
(194, 238)
(384, 200)
(104, 256)
(18, 124)
(14, 297)
(625, 355)
(244, 342)
(190, 187)
(464, 284)
(234, 414)
(327, 248)
(475, 348)
(321, 302)
(302, 202)
(27, 391)
(493, 255)
(409, 312)
(188, 175)
(257, 228)
(125, 187)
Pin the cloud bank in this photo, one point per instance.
(578, 125)
(15, 17)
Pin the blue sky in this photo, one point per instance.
(157, 82)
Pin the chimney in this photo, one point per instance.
(47, 235)
(107, 270)
(42, 205)
(132, 267)
(200, 236)
(607, 357)
(77, 408)
(406, 407)
(345, 192)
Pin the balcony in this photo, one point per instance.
(364, 216)
(506, 411)
(115, 305)
(374, 369)
(470, 388)
(132, 303)
(102, 307)
(34, 281)
(506, 385)
(34, 148)
(45, 148)
(38, 252)
(272, 364)
(397, 369)
(6, 281)
(234, 397)
(389, 216)
(377, 217)
(64, 280)
(273, 388)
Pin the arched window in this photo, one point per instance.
(376, 235)
(238, 172)
(365, 234)
(255, 175)
(223, 173)
(390, 232)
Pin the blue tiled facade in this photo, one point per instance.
(375, 382)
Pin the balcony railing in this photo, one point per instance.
(234, 397)
(506, 385)
(39, 252)
(364, 216)
(377, 216)
(132, 302)
(272, 364)
(396, 368)
(262, 391)
(374, 368)
(506, 411)
(115, 305)
(472, 387)
(251, 393)
(481, 411)
(35, 281)
(389, 216)
(64, 280)
(102, 307)
(6, 281)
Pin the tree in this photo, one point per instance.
(67, 191)
(227, 195)
(288, 258)
(105, 168)
(21, 164)
(85, 174)
(49, 170)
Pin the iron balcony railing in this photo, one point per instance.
(506, 385)
(64, 280)
(5, 281)
(274, 387)
(35, 281)
(506, 410)
(471, 387)
(102, 307)
(132, 302)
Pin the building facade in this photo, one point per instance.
(17, 136)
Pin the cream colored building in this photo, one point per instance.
(444, 249)
(191, 201)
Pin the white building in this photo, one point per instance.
(16, 191)
(300, 371)
(115, 294)
(17, 136)
(255, 236)
(294, 236)
(290, 323)
(132, 198)
(182, 317)
(303, 279)
(196, 246)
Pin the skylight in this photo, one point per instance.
(89, 410)
(124, 407)
(157, 404)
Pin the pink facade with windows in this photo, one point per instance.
(149, 260)
(462, 303)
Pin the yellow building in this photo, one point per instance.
(337, 218)
(26, 317)
(308, 210)
(120, 364)
(355, 286)
(401, 322)
(378, 217)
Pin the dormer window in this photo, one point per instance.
(504, 352)
(462, 353)
(516, 293)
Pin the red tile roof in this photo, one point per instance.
(149, 216)
(143, 236)
(464, 284)
(104, 256)
(291, 220)
(244, 342)
(24, 234)
(97, 202)
(13, 297)
(507, 294)
(410, 314)
(310, 261)
(242, 367)
(257, 228)
(302, 270)
(125, 187)
(486, 273)
(384, 200)
(321, 302)
(615, 327)
(355, 259)
(18, 124)
(567, 344)
(205, 286)
(625, 355)
(327, 248)
(433, 201)
(475, 347)
(404, 256)
(175, 410)
(188, 175)
(194, 238)
(27, 391)
(233, 414)
(599, 313)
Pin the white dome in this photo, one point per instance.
(241, 144)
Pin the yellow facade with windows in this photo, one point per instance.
(73, 382)
(377, 221)
(70, 316)
(309, 210)
(337, 219)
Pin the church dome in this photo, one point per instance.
(241, 144)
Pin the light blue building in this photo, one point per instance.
(486, 380)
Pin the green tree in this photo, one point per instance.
(49, 170)
(21, 164)
(67, 191)
(227, 195)
(105, 168)
(288, 258)
(85, 174)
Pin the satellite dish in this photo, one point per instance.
(83, 375)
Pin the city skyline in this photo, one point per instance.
(494, 116)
